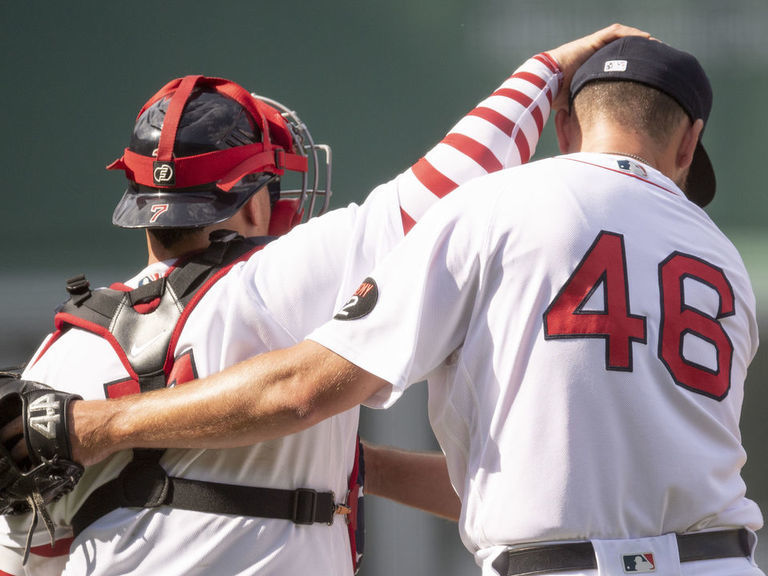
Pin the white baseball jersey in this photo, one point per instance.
(585, 331)
(273, 300)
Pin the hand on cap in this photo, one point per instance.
(573, 54)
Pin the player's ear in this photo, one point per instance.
(565, 129)
(257, 210)
(688, 142)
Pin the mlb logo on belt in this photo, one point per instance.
(638, 563)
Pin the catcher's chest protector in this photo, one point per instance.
(143, 326)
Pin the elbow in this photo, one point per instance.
(306, 384)
(303, 408)
(303, 405)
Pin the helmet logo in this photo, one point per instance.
(156, 210)
(163, 174)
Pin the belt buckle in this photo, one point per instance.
(304, 506)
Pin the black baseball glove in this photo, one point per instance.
(49, 472)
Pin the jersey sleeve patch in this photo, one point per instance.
(361, 303)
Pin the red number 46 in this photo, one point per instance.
(604, 265)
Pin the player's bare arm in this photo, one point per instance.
(265, 397)
(416, 479)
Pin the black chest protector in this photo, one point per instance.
(143, 326)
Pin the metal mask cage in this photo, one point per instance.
(313, 190)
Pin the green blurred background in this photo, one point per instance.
(380, 82)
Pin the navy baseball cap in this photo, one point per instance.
(674, 72)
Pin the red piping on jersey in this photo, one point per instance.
(63, 317)
(475, 150)
(353, 498)
(51, 340)
(623, 173)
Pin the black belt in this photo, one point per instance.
(581, 555)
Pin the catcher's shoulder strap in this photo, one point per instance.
(143, 324)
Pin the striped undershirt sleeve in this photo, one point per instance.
(500, 132)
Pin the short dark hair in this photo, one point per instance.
(636, 106)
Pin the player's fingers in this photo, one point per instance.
(573, 54)
(13, 429)
(607, 35)
(614, 32)
(12, 437)
(19, 452)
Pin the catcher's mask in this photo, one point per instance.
(201, 147)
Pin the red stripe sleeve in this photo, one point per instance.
(548, 61)
(537, 81)
(538, 119)
(497, 119)
(515, 95)
(522, 146)
(434, 180)
(475, 150)
(552, 64)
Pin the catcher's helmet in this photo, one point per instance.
(201, 147)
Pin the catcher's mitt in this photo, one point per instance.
(49, 472)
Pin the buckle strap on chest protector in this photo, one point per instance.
(145, 484)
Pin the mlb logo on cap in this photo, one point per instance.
(639, 563)
(615, 66)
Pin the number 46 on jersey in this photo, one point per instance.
(605, 265)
